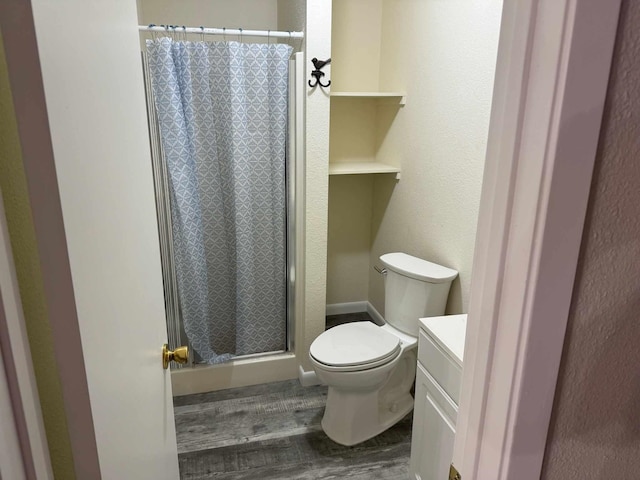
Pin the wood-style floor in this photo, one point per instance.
(272, 431)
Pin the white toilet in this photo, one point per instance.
(370, 369)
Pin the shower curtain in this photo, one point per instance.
(222, 114)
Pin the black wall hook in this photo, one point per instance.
(317, 74)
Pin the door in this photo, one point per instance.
(97, 130)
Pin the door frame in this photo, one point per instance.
(554, 59)
(551, 78)
(23, 449)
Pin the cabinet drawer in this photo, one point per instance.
(446, 372)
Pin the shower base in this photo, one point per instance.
(239, 372)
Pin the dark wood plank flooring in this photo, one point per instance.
(272, 431)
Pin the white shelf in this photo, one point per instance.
(401, 96)
(359, 168)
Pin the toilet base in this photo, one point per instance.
(359, 417)
(352, 418)
(361, 405)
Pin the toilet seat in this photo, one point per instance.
(355, 346)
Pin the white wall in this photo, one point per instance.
(317, 179)
(355, 60)
(356, 39)
(349, 239)
(292, 15)
(248, 14)
(443, 55)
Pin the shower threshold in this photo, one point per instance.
(240, 357)
(239, 372)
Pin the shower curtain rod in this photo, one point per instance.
(220, 31)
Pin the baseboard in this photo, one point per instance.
(350, 307)
(307, 379)
(375, 314)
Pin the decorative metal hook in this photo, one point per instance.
(317, 73)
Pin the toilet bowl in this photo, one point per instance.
(370, 369)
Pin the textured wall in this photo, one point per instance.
(248, 14)
(292, 15)
(355, 66)
(349, 238)
(355, 45)
(595, 431)
(23, 243)
(317, 179)
(443, 54)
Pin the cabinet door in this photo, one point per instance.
(434, 422)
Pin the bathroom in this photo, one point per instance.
(83, 301)
(416, 80)
(418, 156)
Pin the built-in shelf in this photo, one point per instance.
(401, 96)
(359, 168)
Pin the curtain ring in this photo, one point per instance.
(184, 33)
(240, 35)
(201, 33)
(268, 37)
(224, 34)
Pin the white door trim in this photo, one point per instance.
(23, 444)
(553, 66)
(12, 458)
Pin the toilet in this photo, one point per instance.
(370, 369)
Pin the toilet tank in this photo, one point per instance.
(414, 288)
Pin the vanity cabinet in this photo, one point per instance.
(438, 377)
(434, 431)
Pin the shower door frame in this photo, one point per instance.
(293, 196)
(277, 365)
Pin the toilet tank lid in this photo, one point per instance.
(417, 268)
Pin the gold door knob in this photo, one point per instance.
(179, 355)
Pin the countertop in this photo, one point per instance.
(448, 332)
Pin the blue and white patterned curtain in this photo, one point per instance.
(222, 113)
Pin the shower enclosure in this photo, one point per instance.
(223, 146)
